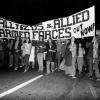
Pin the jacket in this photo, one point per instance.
(41, 47)
(50, 56)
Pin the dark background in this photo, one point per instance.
(31, 12)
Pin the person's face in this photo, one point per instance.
(1, 40)
(41, 38)
(27, 40)
(95, 40)
(80, 45)
(11, 41)
(49, 40)
(17, 38)
(73, 39)
(67, 41)
(58, 41)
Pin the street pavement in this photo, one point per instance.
(56, 86)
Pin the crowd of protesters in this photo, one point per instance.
(56, 55)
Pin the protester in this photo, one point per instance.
(11, 52)
(58, 54)
(36, 52)
(80, 58)
(63, 48)
(50, 56)
(90, 58)
(32, 55)
(67, 60)
(23, 51)
(41, 46)
(6, 52)
(17, 50)
(26, 53)
(74, 55)
(51, 53)
(96, 57)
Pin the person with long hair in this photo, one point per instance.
(66, 63)
(50, 56)
(74, 55)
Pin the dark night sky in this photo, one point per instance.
(31, 12)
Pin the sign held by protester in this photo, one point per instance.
(81, 24)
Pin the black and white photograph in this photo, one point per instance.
(49, 50)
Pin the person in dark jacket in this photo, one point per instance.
(68, 55)
(58, 54)
(17, 52)
(11, 52)
(50, 56)
(63, 49)
(5, 51)
(90, 58)
(40, 53)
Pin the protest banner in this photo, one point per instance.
(81, 24)
(9, 29)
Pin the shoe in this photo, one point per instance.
(21, 66)
(10, 65)
(25, 71)
(41, 71)
(16, 68)
(33, 67)
(58, 70)
(73, 77)
(66, 73)
(98, 79)
(52, 71)
(47, 73)
(90, 77)
(38, 70)
(70, 75)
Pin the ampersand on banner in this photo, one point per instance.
(49, 26)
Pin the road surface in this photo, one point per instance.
(56, 86)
